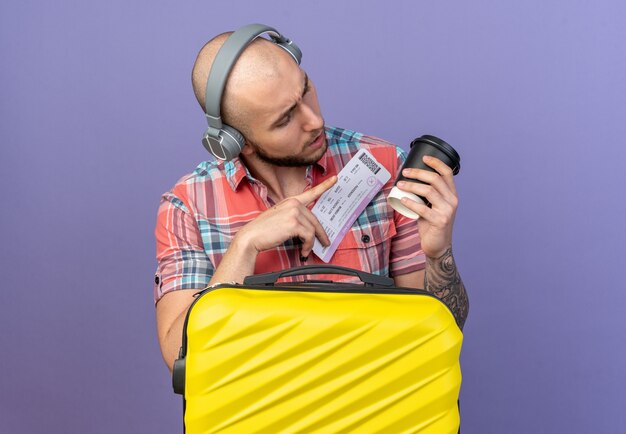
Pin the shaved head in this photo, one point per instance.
(258, 62)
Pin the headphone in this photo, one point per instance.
(221, 140)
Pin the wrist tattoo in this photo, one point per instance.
(443, 280)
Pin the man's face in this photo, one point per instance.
(284, 120)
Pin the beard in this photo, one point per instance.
(289, 161)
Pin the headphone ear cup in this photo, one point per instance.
(232, 141)
(213, 146)
(226, 146)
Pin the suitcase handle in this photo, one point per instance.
(271, 278)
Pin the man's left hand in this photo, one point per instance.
(435, 224)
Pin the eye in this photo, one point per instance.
(285, 122)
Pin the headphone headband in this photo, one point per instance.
(225, 60)
(221, 140)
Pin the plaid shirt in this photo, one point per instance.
(199, 217)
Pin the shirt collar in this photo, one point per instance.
(322, 163)
(235, 171)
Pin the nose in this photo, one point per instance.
(313, 119)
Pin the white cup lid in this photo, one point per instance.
(394, 198)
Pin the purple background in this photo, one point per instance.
(97, 119)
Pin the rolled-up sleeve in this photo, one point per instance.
(182, 262)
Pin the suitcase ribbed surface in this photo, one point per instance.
(269, 361)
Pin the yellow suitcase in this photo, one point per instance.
(319, 357)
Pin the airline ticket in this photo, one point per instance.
(338, 208)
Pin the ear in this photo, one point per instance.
(247, 149)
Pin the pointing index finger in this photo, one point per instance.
(311, 195)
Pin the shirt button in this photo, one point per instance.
(156, 279)
(365, 238)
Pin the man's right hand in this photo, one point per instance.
(289, 218)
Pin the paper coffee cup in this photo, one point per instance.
(420, 147)
(395, 197)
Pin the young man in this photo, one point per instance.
(228, 220)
